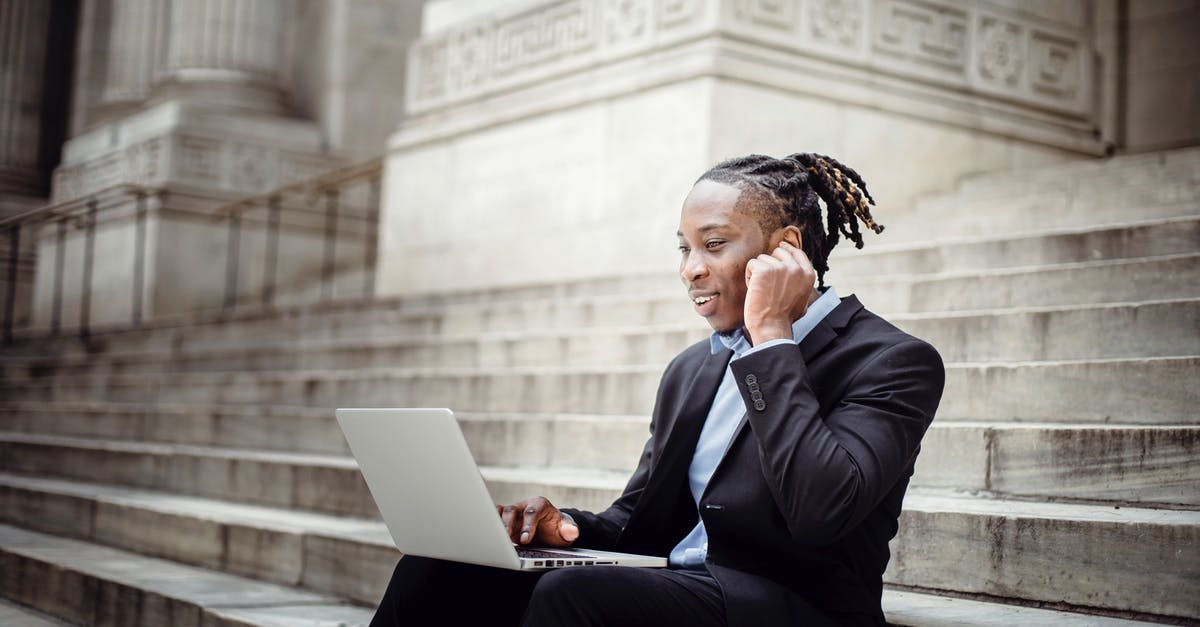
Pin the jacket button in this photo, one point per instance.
(751, 379)
(760, 405)
(756, 396)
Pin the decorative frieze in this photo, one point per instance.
(966, 47)
(923, 35)
(220, 165)
(505, 51)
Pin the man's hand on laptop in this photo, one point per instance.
(536, 521)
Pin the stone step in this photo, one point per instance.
(953, 217)
(591, 302)
(1156, 390)
(1177, 165)
(272, 427)
(1166, 328)
(1151, 329)
(292, 548)
(1123, 240)
(1164, 185)
(905, 608)
(665, 304)
(316, 482)
(1041, 542)
(1139, 391)
(1141, 463)
(1127, 281)
(623, 301)
(1115, 558)
(1148, 465)
(283, 546)
(88, 584)
(320, 483)
(13, 615)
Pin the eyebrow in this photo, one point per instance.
(711, 226)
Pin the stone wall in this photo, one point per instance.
(556, 140)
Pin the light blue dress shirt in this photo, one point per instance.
(724, 417)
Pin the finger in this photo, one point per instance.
(531, 518)
(567, 529)
(508, 514)
(796, 254)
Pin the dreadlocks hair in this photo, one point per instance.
(782, 192)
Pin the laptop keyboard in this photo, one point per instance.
(539, 554)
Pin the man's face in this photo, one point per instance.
(715, 243)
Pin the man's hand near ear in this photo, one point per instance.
(779, 289)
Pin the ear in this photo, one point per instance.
(790, 234)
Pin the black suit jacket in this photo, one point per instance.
(802, 505)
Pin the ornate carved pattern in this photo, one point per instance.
(1054, 65)
(469, 52)
(923, 33)
(967, 47)
(562, 31)
(199, 159)
(145, 162)
(1000, 54)
(626, 21)
(777, 14)
(497, 53)
(679, 13)
(429, 59)
(216, 164)
(299, 167)
(836, 21)
(250, 171)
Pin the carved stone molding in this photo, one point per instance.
(505, 51)
(967, 47)
(222, 165)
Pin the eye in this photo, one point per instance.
(683, 250)
(711, 244)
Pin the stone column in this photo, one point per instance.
(226, 52)
(23, 29)
(135, 50)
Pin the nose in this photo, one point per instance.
(692, 267)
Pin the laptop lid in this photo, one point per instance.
(425, 482)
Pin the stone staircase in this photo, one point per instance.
(191, 472)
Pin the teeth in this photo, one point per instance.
(703, 299)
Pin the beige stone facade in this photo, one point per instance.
(569, 122)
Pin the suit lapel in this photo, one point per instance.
(685, 432)
(813, 344)
(827, 330)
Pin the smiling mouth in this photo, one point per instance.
(700, 300)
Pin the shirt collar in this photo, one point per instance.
(737, 342)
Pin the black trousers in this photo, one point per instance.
(426, 591)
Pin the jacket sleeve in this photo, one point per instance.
(826, 473)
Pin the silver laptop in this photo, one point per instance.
(433, 499)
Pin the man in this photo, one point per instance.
(780, 450)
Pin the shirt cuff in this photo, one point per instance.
(768, 344)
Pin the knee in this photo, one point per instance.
(554, 598)
(554, 585)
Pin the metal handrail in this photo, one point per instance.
(60, 208)
(363, 169)
(328, 187)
